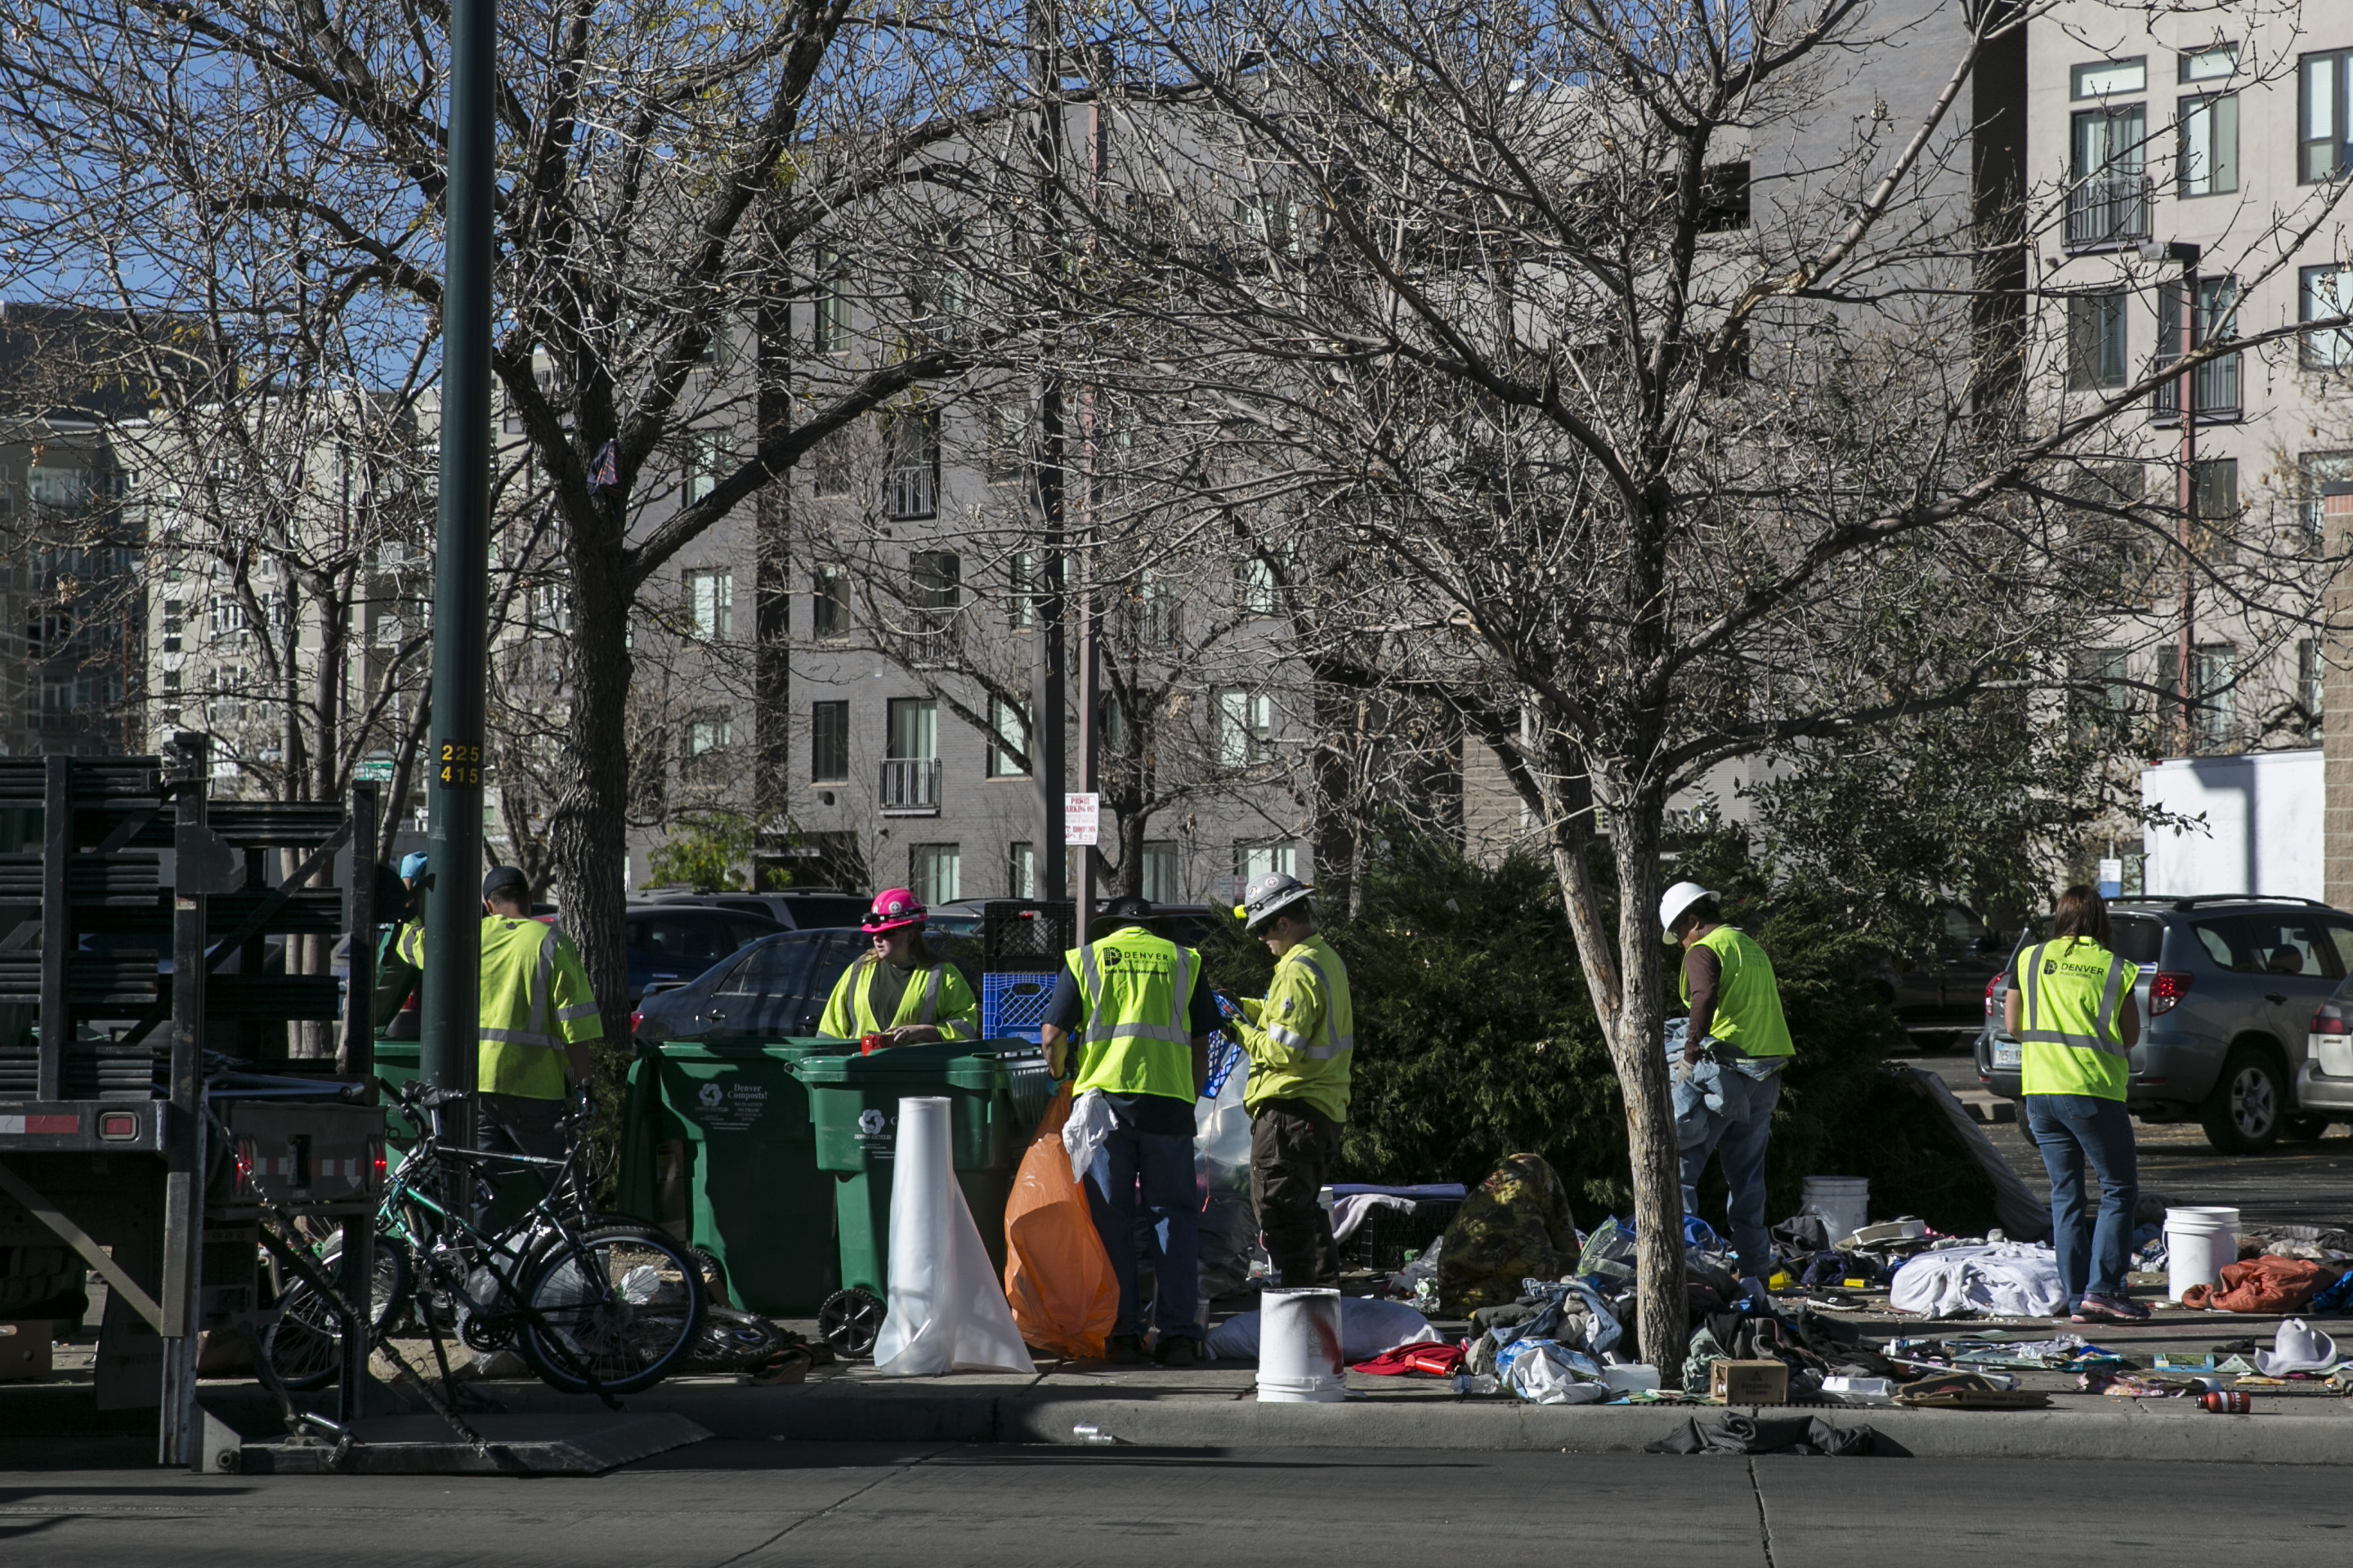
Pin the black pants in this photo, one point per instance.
(512, 1125)
(1293, 1146)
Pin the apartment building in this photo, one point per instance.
(2187, 169)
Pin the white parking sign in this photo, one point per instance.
(1081, 819)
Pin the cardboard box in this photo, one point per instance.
(23, 1350)
(1747, 1382)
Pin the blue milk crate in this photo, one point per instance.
(1013, 1005)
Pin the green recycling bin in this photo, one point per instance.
(996, 1092)
(396, 1063)
(718, 1149)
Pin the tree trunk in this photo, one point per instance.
(587, 831)
(1621, 971)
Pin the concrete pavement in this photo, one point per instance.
(740, 1504)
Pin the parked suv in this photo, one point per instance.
(802, 909)
(2229, 989)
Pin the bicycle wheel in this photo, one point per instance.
(625, 1304)
(305, 1345)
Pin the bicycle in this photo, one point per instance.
(593, 1305)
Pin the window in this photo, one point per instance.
(2102, 697)
(709, 732)
(707, 461)
(2212, 64)
(1009, 439)
(830, 468)
(2214, 671)
(1245, 727)
(830, 742)
(1257, 586)
(2215, 384)
(2108, 202)
(2096, 341)
(1009, 740)
(1252, 861)
(935, 872)
(2323, 293)
(2105, 78)
(1164, 612)
(829, 331)
(1021, 869)
(2209, 148)
(2316, 472)
(1160, 884)
(829, 603)
(2324, 138)
(911, 463)
(915, 730)
(2214, 488)
(1021, 588)
(2309, 678)
(58, 487)
(711, 601)
(934, 589)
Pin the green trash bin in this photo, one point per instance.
(396, 1063)
(717, 1148)
(996, 1091)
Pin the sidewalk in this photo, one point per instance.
(1214, 1407)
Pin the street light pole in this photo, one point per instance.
(461, 576)
(2184, 402)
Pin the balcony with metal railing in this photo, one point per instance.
(2108, 211)
(2213, 391)
(911, 787)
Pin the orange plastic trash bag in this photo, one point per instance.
(1057, 1276)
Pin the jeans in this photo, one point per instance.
(512, 1125)
(2068, 1128)
(1157, 1169)
(1736, 1135)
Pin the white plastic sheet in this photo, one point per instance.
(947, 1311)
(2004, 1280)
(1084, 1135)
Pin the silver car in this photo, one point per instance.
(2229, 989)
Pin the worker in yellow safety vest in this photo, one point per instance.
(899, 988)
(1737, 1028)
(1301, 1038)
(2071, 1009)
(537, 1016)
(1131, 1019)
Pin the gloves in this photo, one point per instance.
(583, 1099)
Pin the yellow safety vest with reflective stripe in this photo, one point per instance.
(1302, 1035)
(1138, 989)
(936, 995)
(2071, 1040)
(534, 1000)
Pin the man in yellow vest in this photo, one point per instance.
(1301, 1038)
(2071, 1009)
(538, 1019)
(1133, 1005)
(1736, 1023)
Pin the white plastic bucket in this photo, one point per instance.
(2198, 1243)
(1299, 1347)
(1842, 1202)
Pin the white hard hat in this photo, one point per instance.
(1678, 899)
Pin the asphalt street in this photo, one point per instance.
(720, 1505)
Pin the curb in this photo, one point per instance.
(999, 1415)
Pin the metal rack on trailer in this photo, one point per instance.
(151, 1118)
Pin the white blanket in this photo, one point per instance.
(2004, 1280)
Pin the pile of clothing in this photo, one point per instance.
(2270, 1283)
(1810, 1344)
(1515, 1226)
(2007, 1280)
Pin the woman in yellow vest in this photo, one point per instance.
(899, 979)
(2072, 1010)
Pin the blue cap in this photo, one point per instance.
(412, 867)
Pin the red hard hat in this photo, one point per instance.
(892, 907)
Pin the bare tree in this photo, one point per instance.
(1647, 411)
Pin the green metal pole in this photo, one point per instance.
(462, 566)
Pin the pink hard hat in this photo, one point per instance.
(893, 908)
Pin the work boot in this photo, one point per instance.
(1179, 1351)
(1124, 1350)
